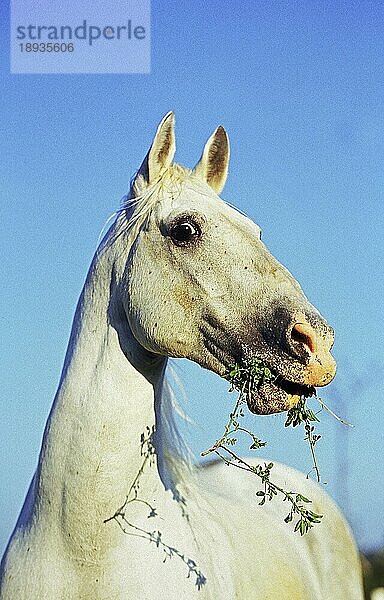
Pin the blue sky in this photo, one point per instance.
(299, 88)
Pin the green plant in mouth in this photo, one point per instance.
(244, 378)
(253, 374)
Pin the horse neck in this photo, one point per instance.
(91, 452)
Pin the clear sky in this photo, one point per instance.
(299, 88)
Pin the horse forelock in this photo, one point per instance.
(138, 204)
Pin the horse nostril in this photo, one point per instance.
(303, 334)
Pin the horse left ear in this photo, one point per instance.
(161, 153)
(213, 164)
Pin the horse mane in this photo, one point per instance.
(170, 444)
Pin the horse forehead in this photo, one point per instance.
(203, 200)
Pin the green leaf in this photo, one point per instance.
(300, 498)
(256, 443)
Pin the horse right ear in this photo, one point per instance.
(213, 164)
(161, 152)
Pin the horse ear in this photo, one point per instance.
(161, 152)
(213, 164)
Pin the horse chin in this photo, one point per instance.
(273, 397)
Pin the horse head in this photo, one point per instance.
(200, 284)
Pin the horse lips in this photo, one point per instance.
(269, 397)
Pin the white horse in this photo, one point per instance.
(114, 510)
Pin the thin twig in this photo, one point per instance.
(312, 442)
(332, 413)
(227, 428)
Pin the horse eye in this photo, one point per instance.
(184, 233)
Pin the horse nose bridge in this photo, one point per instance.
(277, 274)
